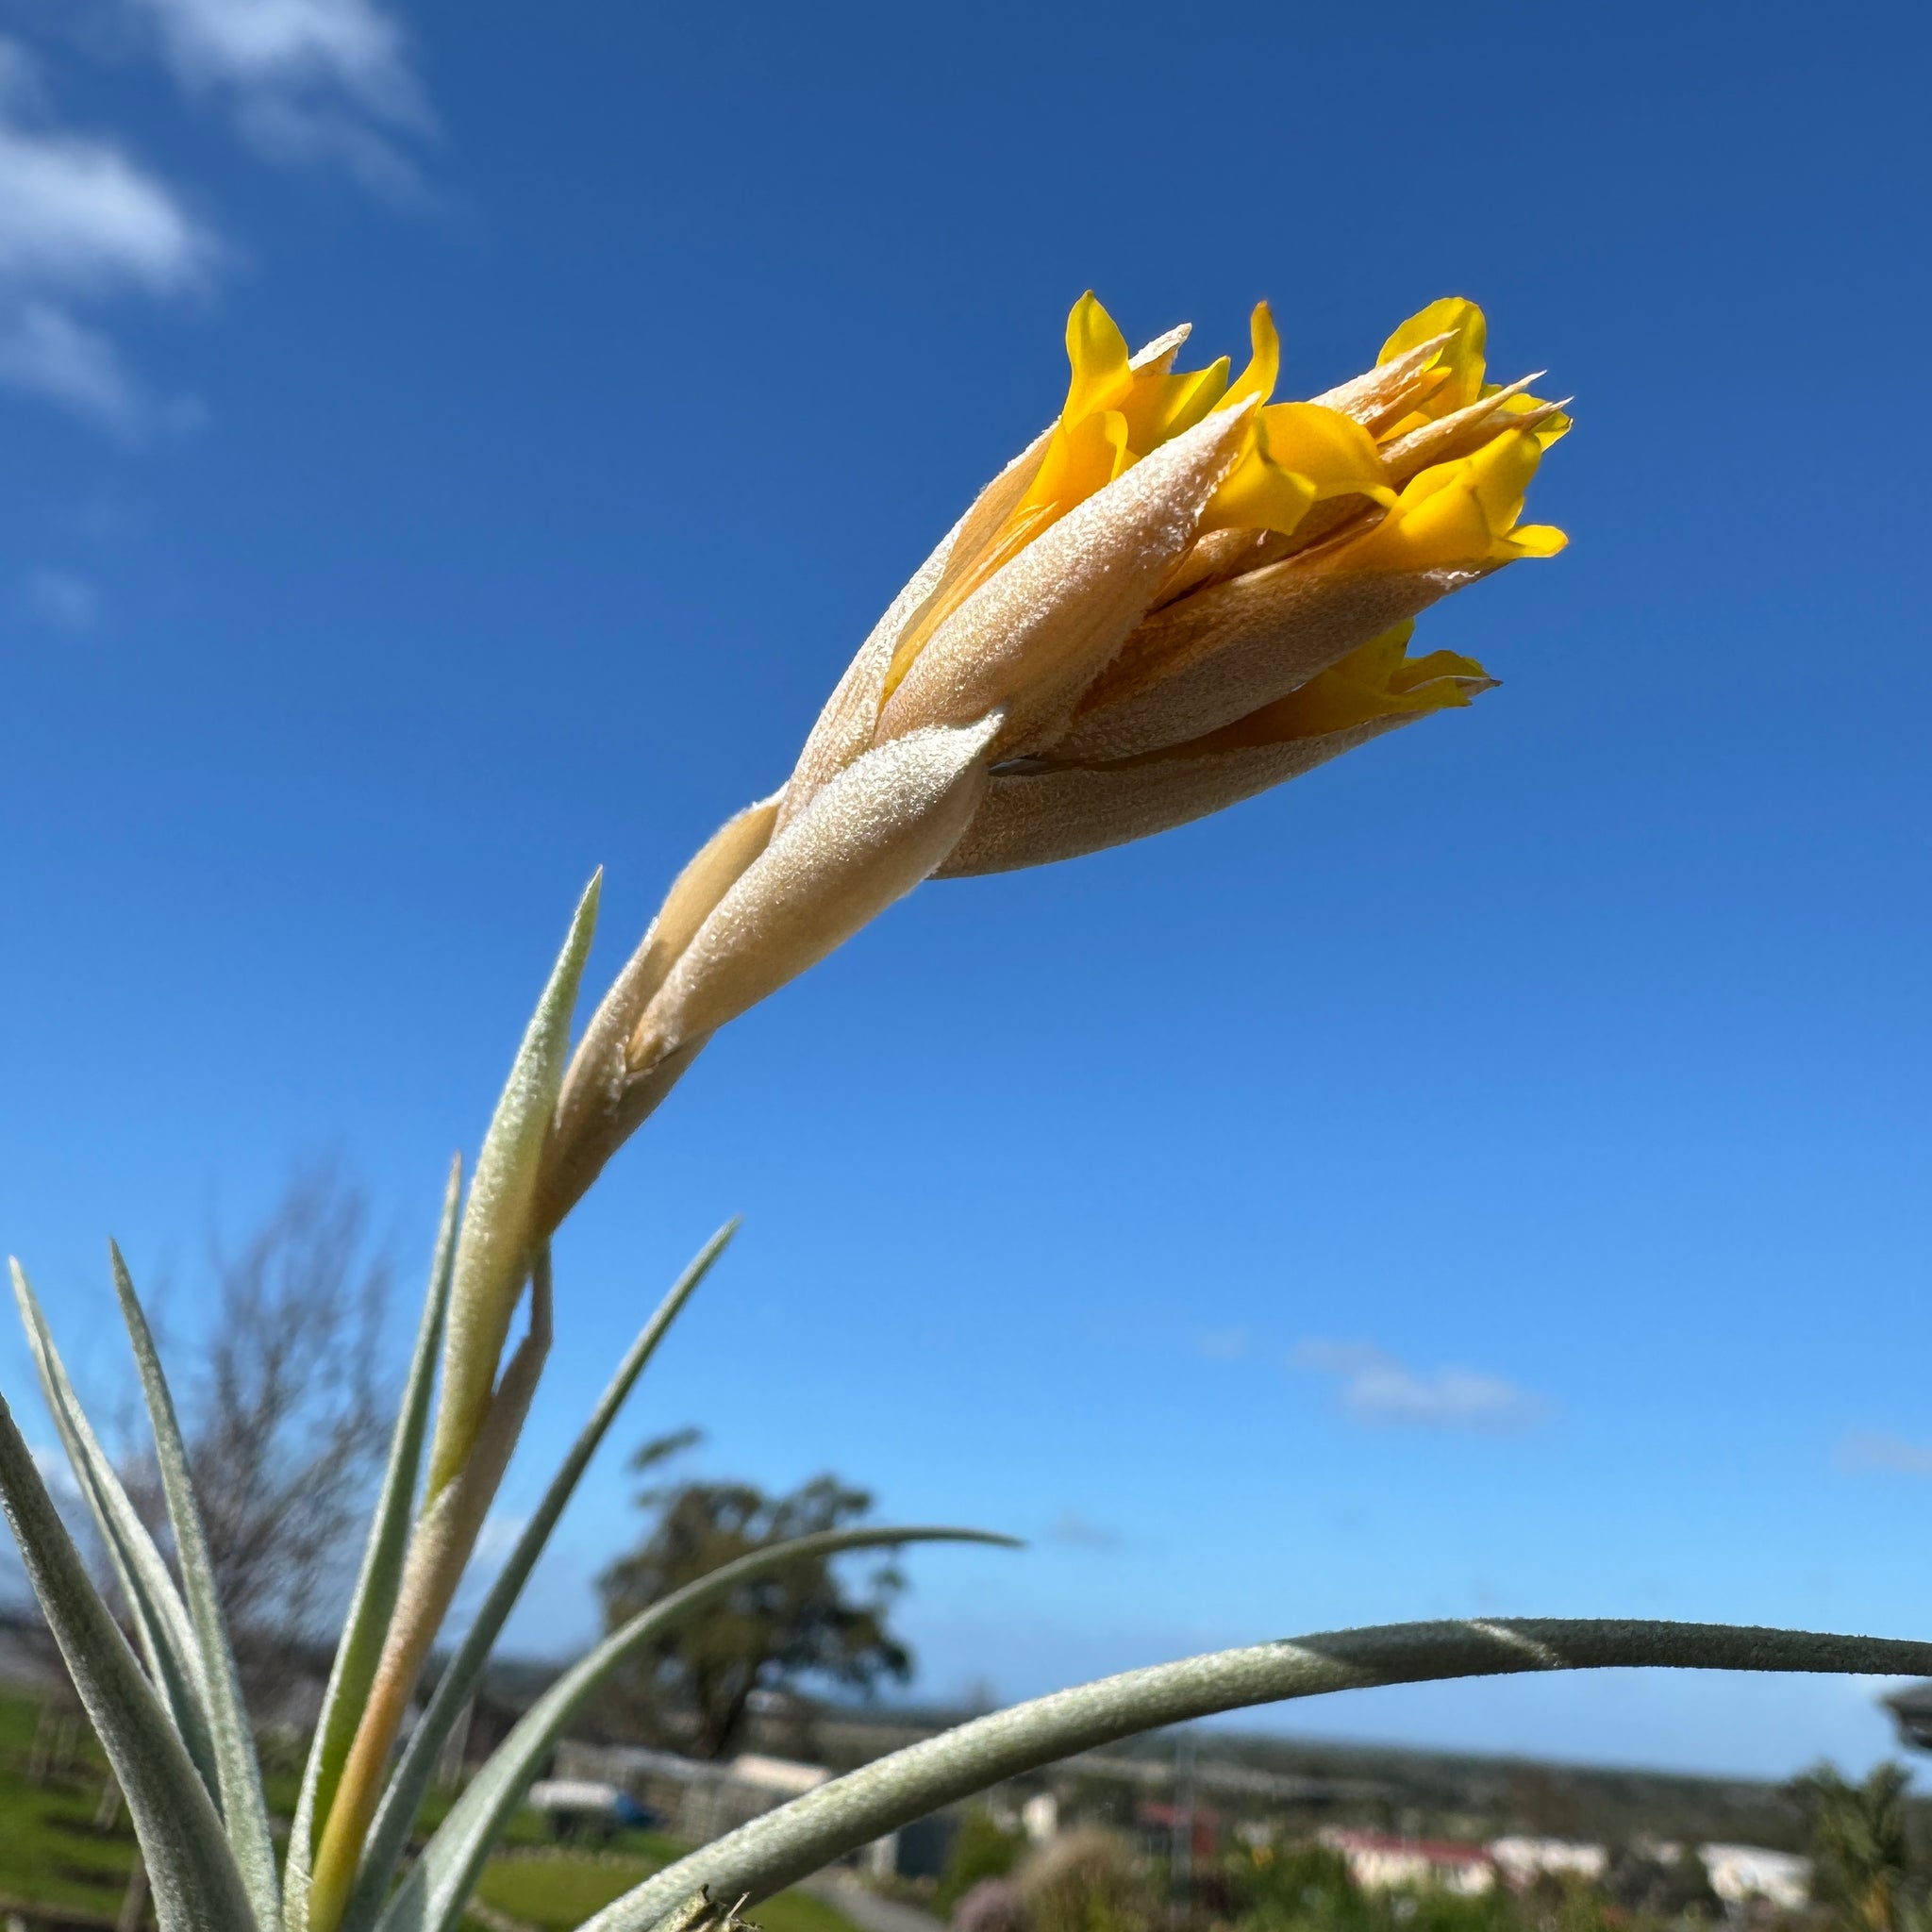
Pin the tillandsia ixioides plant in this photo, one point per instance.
(1180, 593)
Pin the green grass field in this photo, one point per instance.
(558, 1890)
(52, 1851)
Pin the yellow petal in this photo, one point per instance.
(1378, 680)
(1537, 540)
(1032, 637)
(1259, 495)
(1333, 451)
(1502, 471)
(1438, 523)
(1098, 352)
(1459, 513)
(1081, 459)
(1461, 356)
(1301, 453)
(1161, 406)
(1264, 364)
(1552, 422)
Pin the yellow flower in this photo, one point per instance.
(1180, 593)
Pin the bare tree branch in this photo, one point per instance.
(286, 1417)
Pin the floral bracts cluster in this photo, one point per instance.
(1181, 593)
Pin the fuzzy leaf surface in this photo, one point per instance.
(370, 1609)
(389, 1835)
(238, 1771)
(197, 1886)
(798, 1838)
(160, 1617)
(432, 1896)
(494, 1245)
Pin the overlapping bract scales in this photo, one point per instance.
(1182, 592)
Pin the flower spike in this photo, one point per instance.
(1180, 593)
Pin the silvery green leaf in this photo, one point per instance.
(799, 1837)
(432, 1896)
(197, 1886)
(367, 1623)
(160, 1617)
(494, 1249)
(389, 1835)
(238, 1774)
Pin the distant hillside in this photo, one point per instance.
(1460, 1795)
(1441, 1793)
(1286, 1779)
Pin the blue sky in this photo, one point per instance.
(448, 448)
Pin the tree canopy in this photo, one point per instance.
(694, 1688)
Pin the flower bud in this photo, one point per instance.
(1179, 594)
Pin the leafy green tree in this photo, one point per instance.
(695, 1686)
(1305, 1888)
(982, 1848)
(1675, 1890)
(1861, 1860)
(1431, 1908)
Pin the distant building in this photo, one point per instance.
(784, 1775)
(577, 1805)
(1738, 1873)
(698, 1798)
(1521, 1859)
(1040, 1816)
(1380, 1861)
(917, 1850)
(1156, 1824)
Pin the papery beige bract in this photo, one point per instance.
(1179, 594)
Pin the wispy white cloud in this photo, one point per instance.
(77, 214)
(305, 80)
(47, 351)
(1376, 1387)
(1868, 1449)
(85, 225)
(81, 222)
(59, 598)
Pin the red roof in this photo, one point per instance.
(1437, 1851)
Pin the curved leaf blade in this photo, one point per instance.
(374, 1600)
(432, 1896)
(389, 1835)
(238, 1772)
(493, 1245)
(797, 1839)
(161, 1618)
(197, 1885)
